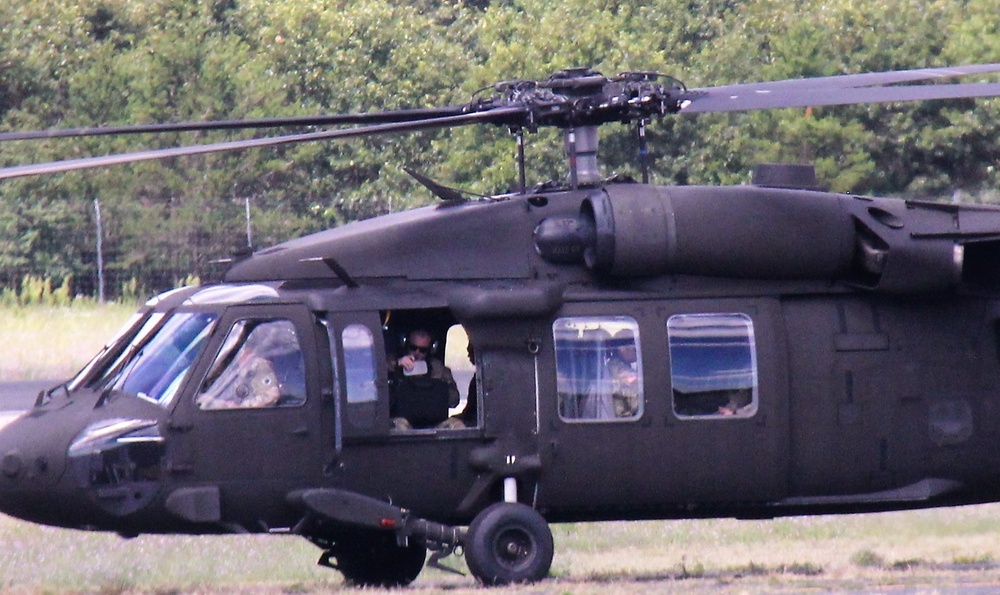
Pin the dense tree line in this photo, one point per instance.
(68, 63)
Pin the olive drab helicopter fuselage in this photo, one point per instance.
(639, 352)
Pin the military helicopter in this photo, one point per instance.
(641, 352)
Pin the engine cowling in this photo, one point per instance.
(747, 232)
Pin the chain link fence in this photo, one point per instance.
(102, 275)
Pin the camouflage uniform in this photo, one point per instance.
(625, 391)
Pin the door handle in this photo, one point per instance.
(179, 427)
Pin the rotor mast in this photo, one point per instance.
(579, 100)
(581, 152)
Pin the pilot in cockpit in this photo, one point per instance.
(259, 366)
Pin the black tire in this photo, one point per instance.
(376, 560)
(509, 543)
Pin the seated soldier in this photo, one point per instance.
(623, 368)
(249, 382)
(423, 387)
(261, 368)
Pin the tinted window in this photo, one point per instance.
(598, 368)
(713, 365)
(115, 344)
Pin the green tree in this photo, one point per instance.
(95, 62)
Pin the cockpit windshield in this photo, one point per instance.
(155, 369)
(106, 352)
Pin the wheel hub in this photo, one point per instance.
(513, 547)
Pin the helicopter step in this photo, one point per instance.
(507, 542)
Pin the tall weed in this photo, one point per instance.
(51, 338)
(36, 291)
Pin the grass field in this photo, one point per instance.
(922, 549)
(53, 342)
(929, 551)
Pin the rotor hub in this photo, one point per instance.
(578, 97)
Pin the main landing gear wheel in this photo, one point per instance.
(376, 560)
(509, 543)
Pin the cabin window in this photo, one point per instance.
(259, 366)
(598, 368)
(359, 363)
(713, 365)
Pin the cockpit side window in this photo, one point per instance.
(260, 365)
(598, 368)
(713, 365)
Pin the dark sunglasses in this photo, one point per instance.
(424, 350)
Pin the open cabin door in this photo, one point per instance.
(424, 468)
(358, 355)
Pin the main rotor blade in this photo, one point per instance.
(398, 128)
(840, 90)
(408, 115)
(767, 99)
(865, 79)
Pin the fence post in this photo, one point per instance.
(249, 236)
(100, 252)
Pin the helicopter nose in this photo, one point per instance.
(31, 465)
(25, 457)
(54, 472)
(9, 466)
